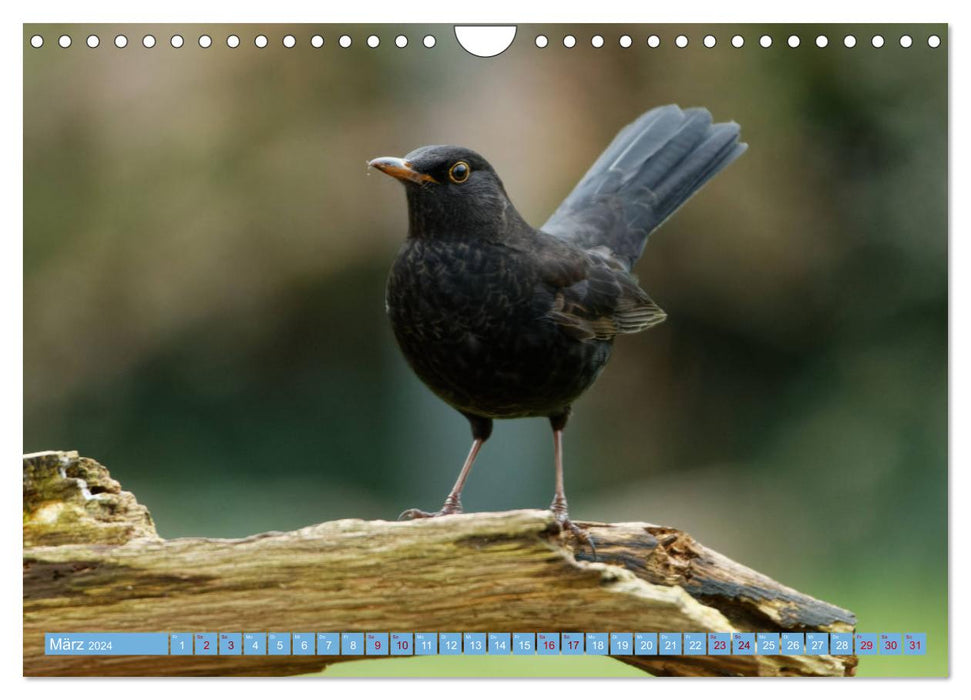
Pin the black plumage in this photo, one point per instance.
(502, 320)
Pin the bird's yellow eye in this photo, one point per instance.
(459, 172)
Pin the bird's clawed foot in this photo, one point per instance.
(563, 518)
(451, 507)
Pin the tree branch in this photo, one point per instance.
(93, 562)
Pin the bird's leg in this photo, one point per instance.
(559, 505)
(453, 502)
(481, 429)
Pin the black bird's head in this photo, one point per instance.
(452, 192)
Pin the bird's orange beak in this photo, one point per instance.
(400, 169)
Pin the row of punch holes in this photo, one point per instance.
(260, 41)
(428, 41)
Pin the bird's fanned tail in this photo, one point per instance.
(652, 167)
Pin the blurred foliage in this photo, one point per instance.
(204, 263)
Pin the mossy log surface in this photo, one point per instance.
(93, 562)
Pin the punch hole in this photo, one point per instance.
(933, 41)
(654, 41)
(205, 41)
(906, 41)
(148, 41)
(484, 41)
(429, 41)
(569, 41)
(401, 41)
(344, 41)
(625, 42)
(37, 41)
(709, 41)
(232, 41)
(261, 41)
(316, 41)
(289, 41)
(738, 41)
(765, 41)
(822, 41)
(793, 41)
(597, 41)
(176, 41)
(92, 41)
(849, 41)
(681, 41)
(64, 41)
(541, 41)
(877, 41)
(373, 41)
(121, 41)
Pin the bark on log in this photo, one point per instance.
(94, 563)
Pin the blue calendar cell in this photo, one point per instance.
(597, 643)
(621, 643)
(695, 643)
(841, 643)
(866, 644)
(328, 643)
(719, 643)
(402, 644)
(205, 643)
(450, 643)
(180, 643)
(915, 644)
(767, 643)
(792, 643)
(669, 644)
(890, 644)
(743, 643)
(254, 643)
(426, 643)
(278, 643)
(474, 643)
(499, 643)
(572, 643)
(377, 643)
(817, 643)
(106, 643)
(230, 643)
(352, 644)
(303, 643)
(548, 643)
(524, 643)
(645, 643)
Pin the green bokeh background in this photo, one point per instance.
(204, 266)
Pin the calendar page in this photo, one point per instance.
(641, 329)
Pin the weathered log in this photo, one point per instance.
(93, 562)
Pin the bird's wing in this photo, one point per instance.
(649, 170)
(593, 297)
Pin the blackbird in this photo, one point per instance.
(503, 320)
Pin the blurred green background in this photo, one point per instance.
(204, 267)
